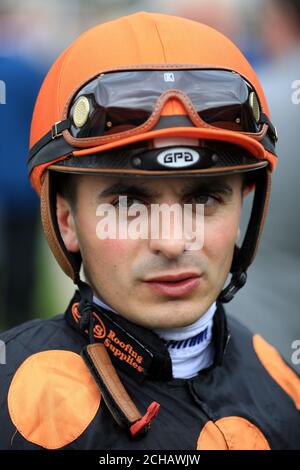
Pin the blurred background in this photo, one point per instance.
(32, 34)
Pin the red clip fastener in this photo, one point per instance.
(145, 420)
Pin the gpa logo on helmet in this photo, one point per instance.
(179, 157)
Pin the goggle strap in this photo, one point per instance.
(43, 150)
(57, 149)
(56, 131)
(271, 129)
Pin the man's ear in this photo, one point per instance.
(65, 219)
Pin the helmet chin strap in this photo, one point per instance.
(243, 256)
(238, 280)
(85, 308)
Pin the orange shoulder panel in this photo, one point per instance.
(285, 377)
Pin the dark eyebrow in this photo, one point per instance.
(210, 186)
(131, 189)
(121, 188)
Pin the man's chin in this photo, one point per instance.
(174, 318)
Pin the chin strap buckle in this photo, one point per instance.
(238, 280)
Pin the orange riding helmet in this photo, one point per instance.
(127, 84)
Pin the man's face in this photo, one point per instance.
(119, 270)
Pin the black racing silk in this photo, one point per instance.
(236, 388)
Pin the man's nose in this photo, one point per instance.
(171, 248)
(169, 240)
(169, 232)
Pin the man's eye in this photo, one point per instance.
(206, 199)
(127, 201)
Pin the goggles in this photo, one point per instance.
(119, 104)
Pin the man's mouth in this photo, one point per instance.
(174, 285)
